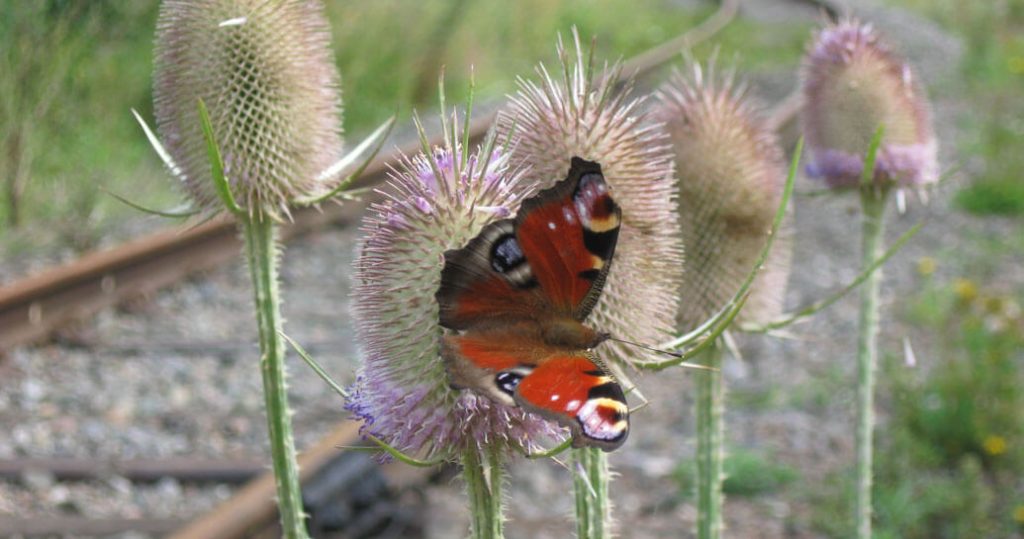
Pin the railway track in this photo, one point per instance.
(32, 309)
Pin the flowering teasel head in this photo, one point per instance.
(853, 84)
(435, 202)
(732, 176)
(266, 73)
(593, 118)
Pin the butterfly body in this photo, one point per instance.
(516, 297)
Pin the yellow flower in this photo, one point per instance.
(1018, 514)
(1016, 65)
(994, 445)
(965, 290)
(926, 266)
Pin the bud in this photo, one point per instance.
(732, 176)
(266, 72)
(853, 84)
(577, 115)
(402, 391)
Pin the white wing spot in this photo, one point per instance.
(551, 225)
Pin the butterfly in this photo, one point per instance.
(516, 297)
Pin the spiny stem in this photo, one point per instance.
(484, 492)
(260, 245)
(873, 204)
(593, 508)
(495, 465)
(709, 408)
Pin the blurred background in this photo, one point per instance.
(171, 374)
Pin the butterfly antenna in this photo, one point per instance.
(640, 407)
(667, 353)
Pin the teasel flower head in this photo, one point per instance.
(731, 179)
(266, 73)
(434, 202)
(574, 113)
(852, 84)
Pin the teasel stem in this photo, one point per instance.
(873, 197)
(483, 488)
(873, 202)
(709, 409)
(591, 479)
(261, 251)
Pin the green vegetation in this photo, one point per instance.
(747, 474)
(952, 451)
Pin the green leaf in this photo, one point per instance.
(185, 210)
(216, 163)
(814, 308)
(379, 136)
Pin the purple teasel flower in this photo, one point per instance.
(433, 203)
(853, 84)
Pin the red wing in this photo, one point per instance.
(553, 258)
(574, 391)
(568, 235)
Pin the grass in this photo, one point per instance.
(388, 53)
(952, 451)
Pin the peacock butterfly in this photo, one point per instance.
(516, 297)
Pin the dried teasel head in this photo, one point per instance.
(852, 84)
(434, 202)
(266, 72)
(731, 181)
(592, 117)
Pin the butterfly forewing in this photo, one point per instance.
(553, 258)
(568, 234)
(483, 281)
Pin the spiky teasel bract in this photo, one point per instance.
(578, 114)
(852, 85)
(731, 179)
(434, 202)
(266, 72)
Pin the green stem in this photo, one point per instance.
(873, 204)
(593, 508)
(484, 491)
(260, 245)
(710, 455)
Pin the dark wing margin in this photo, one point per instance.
(568, 233)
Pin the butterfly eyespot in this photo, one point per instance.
(508, 259)
(506, 254)
(508, 381)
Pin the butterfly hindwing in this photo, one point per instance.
(574, 391)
